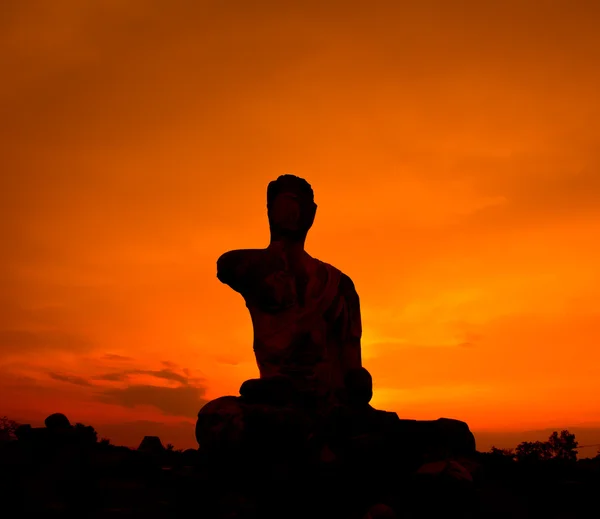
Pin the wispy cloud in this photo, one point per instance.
(112, 377)
(165, 374)
(70, 379)
(179, 401)
(112, 356)
(27, 341)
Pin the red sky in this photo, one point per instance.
(454, 150)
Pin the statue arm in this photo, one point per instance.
(232, 269)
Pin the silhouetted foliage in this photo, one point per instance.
(533, 451)
(86, 433)
(503, 453)
(8, 429)
(563, 446)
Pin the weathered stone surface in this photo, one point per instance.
(438, 439)
(57, 421)
(231, 425)
(221, 424)
(305, 313)
(307, 329)
(307, 420)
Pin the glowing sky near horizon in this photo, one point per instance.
(455, 157)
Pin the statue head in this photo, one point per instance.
(290, 207)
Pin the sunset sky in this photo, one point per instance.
(454, 151)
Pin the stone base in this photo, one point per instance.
(279, 450)
(277, 420)
(437, 439)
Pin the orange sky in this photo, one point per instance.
(455, 157)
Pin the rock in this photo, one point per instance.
(57, 421)
(230, 426)
(221, 425)
(437, 439)
(277, 391)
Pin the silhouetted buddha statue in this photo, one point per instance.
(308, 413)
(313, 391)
(305, 313)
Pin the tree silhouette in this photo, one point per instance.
(8, 429)
(533, 451)
(86, 433)
(563, 446)
(503, 453)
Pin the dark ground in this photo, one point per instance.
(102, 481)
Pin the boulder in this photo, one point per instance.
(57, 421)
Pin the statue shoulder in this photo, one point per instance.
(347, 290)
(345, 283)
(238, 255)
(235, 263)
(327, 267)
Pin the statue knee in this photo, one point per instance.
(220, 424)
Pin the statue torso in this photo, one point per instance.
(294, 319)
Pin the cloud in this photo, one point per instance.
(71, 379)
(165, 374)
(179, 401)
(112, 356)
(227, 361)
(17, 381)
(112, 377)
(27, 342)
